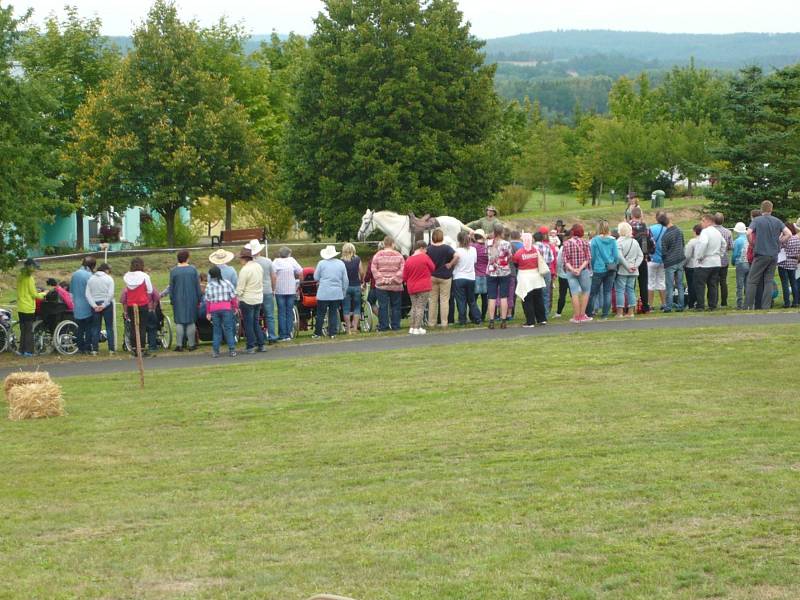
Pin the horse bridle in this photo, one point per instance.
(365, 225)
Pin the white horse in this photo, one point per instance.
(397, 227)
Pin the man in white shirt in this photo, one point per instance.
(708, 252)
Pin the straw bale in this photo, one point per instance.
(35, 401)
(23, 377)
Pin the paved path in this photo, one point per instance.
(379, 343)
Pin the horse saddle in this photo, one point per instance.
(424, 223)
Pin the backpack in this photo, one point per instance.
(641, 234)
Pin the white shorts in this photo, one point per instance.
(655, 276)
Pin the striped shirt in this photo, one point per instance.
(219, 291)
(286, 272)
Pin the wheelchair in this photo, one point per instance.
(54, 329)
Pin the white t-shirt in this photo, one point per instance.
(465, 267)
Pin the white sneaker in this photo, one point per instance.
(421, 331)
(558, 315)
(413, 331)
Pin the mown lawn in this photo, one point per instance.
(662, 464)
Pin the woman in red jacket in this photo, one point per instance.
(417, 273)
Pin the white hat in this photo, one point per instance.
(255, 247)
(740, 227)
(328, 252)
(479, 233)
(220, 257)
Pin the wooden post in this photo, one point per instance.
(138, 345)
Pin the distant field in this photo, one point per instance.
(625, 466)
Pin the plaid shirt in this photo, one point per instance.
(576, 252)
(219, 291)
(792, 249)
(546, 250)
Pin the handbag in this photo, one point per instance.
(782, 255)
(611, 266)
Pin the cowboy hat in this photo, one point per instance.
(220, 257)
(740, 227)
(246, 253)
(479, 233)
(328, 252)
(255, 247)
(491, 208)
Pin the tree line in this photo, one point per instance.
(387, 105)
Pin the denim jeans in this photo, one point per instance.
(84, 334)
(222, 322)
(285, 315)
(252, 330)
(547, 294)
(600, 295)
(464, 290)
(351, 304)
(388, 309)
(105, 316)
(742, 271)
(332, 308)
(269, 316)
(625, 290)
(789, 284)
(673, 277)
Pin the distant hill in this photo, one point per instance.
(729, 51)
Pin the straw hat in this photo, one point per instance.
(479, 233)
(255, 247)
(740, 227)
(220, 257)
(246, 253)
(328, 252)
(492, 208)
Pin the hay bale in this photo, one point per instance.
(35, 401)
(24, 377)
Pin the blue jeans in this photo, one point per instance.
(789, 284)
(464, 291)
(388, 306)
(252, 331)
(351, 304)
(625, 288)
(222, 322)
(580, 284)
(105, 316)
(84, 334)
(285, 315)
(332, 308)
(547, 294)
(601, 284)
(269, 316)
(742, 270)
(673, 277)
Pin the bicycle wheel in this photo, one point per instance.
(15, 337)
(296, 324)
(165, 333)
(126, 337)
(5, 336)
(65, 338)
(42, 339)
(367, 322)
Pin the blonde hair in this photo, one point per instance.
(624, 229)
(602, 228)
(348, 251)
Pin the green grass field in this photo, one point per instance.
(657, 464)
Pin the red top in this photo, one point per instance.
(138, 296)
(527, 259)
(417, 273)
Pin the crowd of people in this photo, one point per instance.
(497, 267)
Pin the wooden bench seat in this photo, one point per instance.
(238, 235)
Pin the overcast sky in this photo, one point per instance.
(489, 18)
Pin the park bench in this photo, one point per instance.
(239, 235)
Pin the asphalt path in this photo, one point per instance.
(376, 342)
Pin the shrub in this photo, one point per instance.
(154, 234)
(512, 199)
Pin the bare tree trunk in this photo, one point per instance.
(689, 187)
(80, 242)
(228, 214)
(169, 220)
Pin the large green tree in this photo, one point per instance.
(69, 58)
(166, 129)
(27, 187)
(758, 157)
(394, 109)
